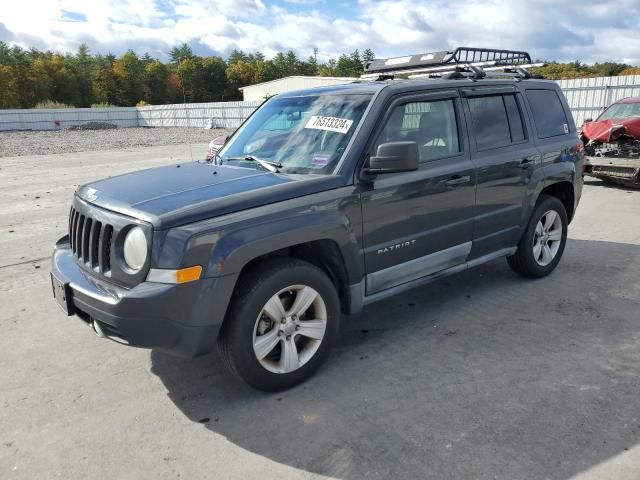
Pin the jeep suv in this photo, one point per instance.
(323, 201)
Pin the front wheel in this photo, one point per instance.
(543, 241)
(281, 324)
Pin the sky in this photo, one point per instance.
(561, 30)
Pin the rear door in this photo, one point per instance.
(417, 223)
(555, 133)
(505, 157)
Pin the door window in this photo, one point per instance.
(515, 119)
(497, 121)
(432, 125)
(548, 114)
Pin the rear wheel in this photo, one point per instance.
(281, 324)
(543, 241)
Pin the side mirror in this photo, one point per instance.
(394, 157)
(588, 120)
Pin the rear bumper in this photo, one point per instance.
(180, 319)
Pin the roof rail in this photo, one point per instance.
(463, 59)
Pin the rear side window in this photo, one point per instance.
(515, 119)
(548, 113)
(496, 121)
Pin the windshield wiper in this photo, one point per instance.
(266, 164)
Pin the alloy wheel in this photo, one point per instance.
(289, 329)
(547, 238)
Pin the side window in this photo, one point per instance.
(515, 119)
(548, 113)
(490, 123)
(497, 121)
(432, 125)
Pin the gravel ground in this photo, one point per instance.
(68, 141)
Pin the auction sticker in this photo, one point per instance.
(331, 124)
(320, 160)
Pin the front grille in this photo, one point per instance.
(96, 235)
(90, 241)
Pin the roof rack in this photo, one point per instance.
(463, 62)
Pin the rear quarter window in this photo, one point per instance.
(549, 116)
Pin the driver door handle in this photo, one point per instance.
(528, 161)
(457, 180)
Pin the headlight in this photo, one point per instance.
(135, 249)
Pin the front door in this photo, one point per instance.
(418, 223)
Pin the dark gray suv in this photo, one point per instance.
(324, 201)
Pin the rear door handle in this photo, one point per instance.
(457, 180)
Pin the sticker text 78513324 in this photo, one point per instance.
(331, 124)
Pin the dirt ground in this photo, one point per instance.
(482, 375)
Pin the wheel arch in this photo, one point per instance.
(322, 253)
(326, 239)
(563, 191)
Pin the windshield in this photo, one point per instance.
(297, 134)
(621, 110)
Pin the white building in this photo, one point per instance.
(261, 91)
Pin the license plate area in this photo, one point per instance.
(63, 295)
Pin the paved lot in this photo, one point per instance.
(480, 376)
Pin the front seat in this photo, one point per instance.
(431, 135)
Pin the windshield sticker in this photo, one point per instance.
(331, 124)
(320, 160)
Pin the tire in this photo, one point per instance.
(532, 259)
(272, 289)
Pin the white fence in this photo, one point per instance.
(60, 118)
(222, 114)
(587, 98)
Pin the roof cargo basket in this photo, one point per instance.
(463, 59)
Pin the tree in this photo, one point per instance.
(328, 69)
(240, 74)
(349, 65)
(9, 91)
(128, 72)
(630, 71)
(214, 78)
(28, 77)
(367, 56)
(237, 56)
(180, 53)
(105, 83)
(84, 65)
(156, 86)
(63, 80)
(609, 69)
(5, 54)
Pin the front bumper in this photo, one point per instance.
(622, 170)
(180, 319)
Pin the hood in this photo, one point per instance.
(179, 194)
(607, 131)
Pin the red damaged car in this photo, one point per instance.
(612, 143)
